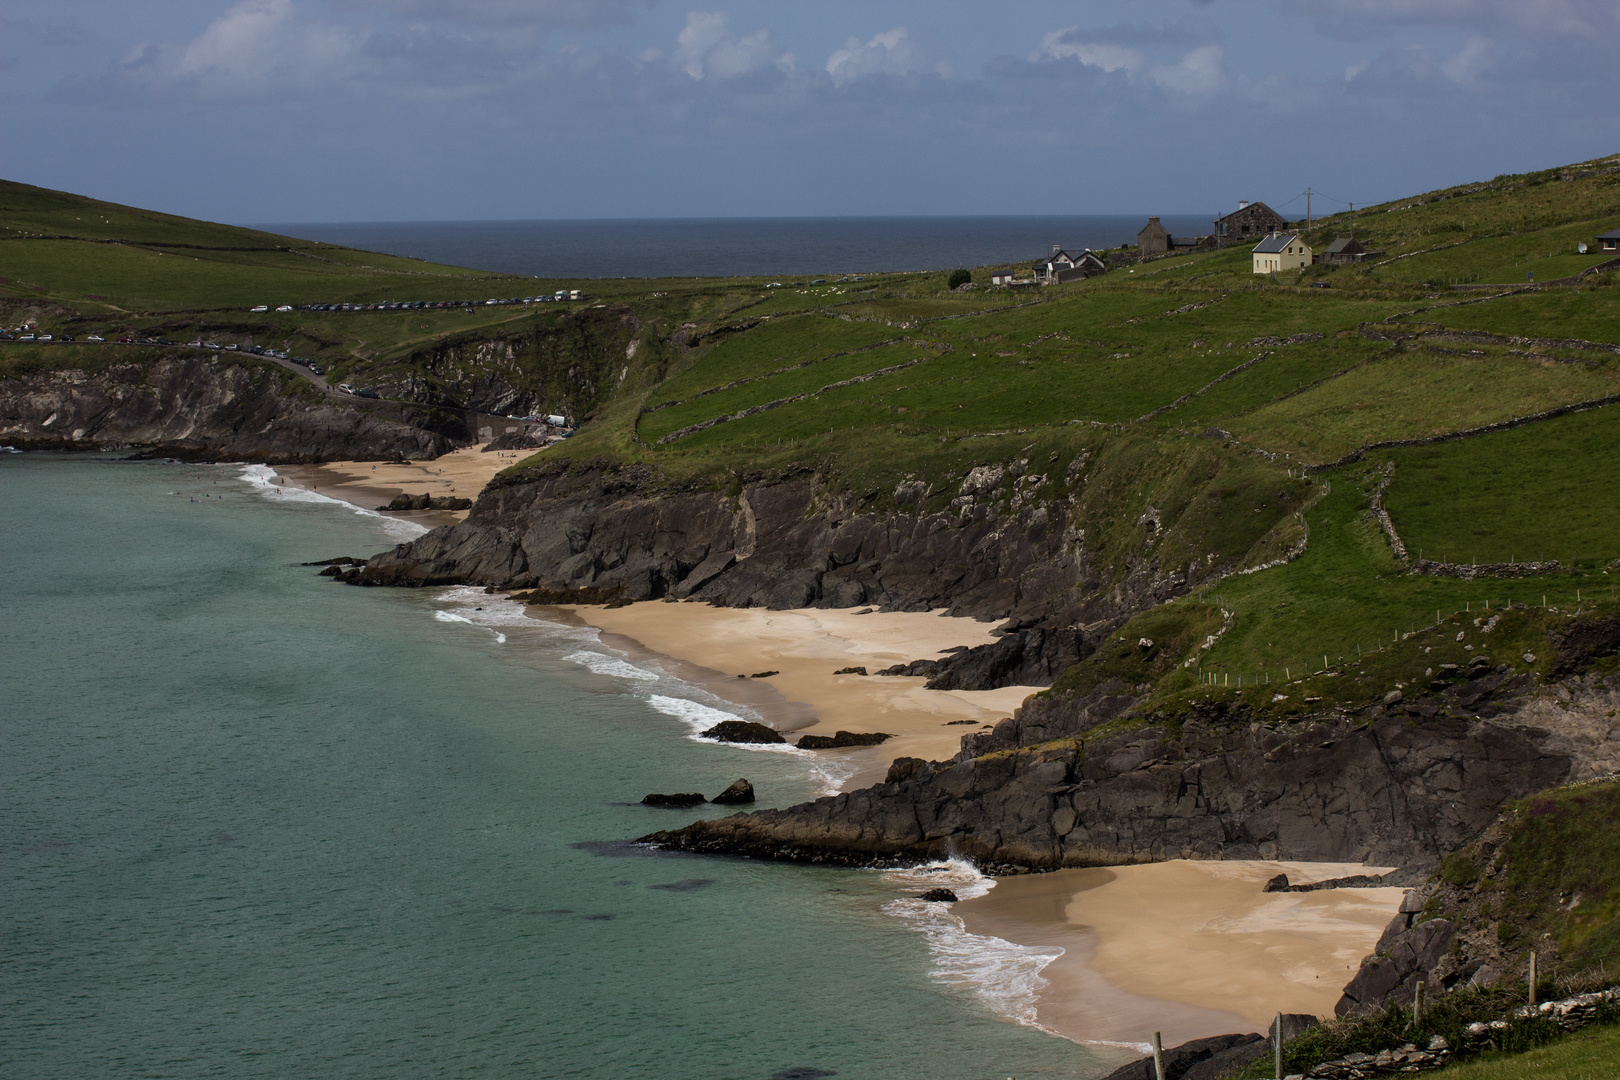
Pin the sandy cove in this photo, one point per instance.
(1191, 949)
(370, 484)
(711, 646)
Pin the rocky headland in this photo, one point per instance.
(209, 408)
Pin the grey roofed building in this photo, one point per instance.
(1346, 251)
(1275, 244)
(1609, 241)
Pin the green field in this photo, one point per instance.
(1187, 386)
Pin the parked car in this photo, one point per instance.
(67, 337)
(95, 337)
(261, 307)
(7, 336)
(365, 393)
(26, 337)
(316, 368)
(345, 387)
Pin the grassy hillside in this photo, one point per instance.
(1241, 410)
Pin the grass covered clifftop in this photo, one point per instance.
(1188, 418)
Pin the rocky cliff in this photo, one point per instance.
(1390, 789)
(204, 407)
(795, 541)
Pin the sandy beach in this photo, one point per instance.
(370, 484)
(712, 646)
(1187, 948)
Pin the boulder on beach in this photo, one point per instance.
(740, 792)
(679, 801)
(939, 896)
(742, 731)
(839, 740)
(850, 671)
(425, 501)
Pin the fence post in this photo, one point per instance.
(1417, 1003)
(1276, 1040)
(1532, 978)
(1158, 1057)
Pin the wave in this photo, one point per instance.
(602, 664)
(263, 478)
(1004, 976)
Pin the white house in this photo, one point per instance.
(1281, 251)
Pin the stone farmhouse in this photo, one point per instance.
(1249, 220)
(1346, 251)
(1155, 239)
(1281, 251)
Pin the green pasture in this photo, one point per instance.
(1586, 313)
(1548, 254)
(1348, 600)
(769, 347)
(1539, 492)
(1589, 1054)
(1417, 393)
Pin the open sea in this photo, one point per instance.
(725, 247)
(255, 824)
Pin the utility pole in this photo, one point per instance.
(1307, 205)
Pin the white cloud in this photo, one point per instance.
(706, 47)
(1200, 72)
(1465, 67)
(545, 13)
(892, 52)
(255, 48)
(1536, 18)
(1066, 44)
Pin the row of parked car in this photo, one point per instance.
(562, 295)
(132, 339)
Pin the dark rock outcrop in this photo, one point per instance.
(1402, 958)
(1330, 789)
(205, 407)
(742, 731)
(741, 791)
(939, 896)
(792, 542)
(682, 800)
(1180, 1061)
(425, 501)
(840, 739)
(1354, 881)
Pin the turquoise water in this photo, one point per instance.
(258, 824)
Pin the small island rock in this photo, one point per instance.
(939, 896)
(679, 801)
(740, 792)
(742, 731)
(839, 740)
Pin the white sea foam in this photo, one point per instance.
(602, 664)
(263, 478)
(1004, 976)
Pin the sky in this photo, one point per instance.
(433, 110)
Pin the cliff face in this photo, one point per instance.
(786, 544)
(199, 406)
(1390, 790)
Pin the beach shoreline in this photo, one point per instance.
(370, 485)
(722, 649)
(1188, 948)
